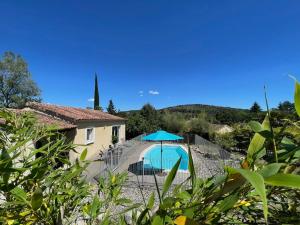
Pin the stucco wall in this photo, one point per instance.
(102, 140)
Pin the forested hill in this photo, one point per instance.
(198, 108)
(219, 113)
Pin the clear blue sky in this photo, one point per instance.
(210, 52)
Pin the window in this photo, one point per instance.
(90, 135)
(115, 134)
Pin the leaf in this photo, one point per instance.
(297, 97)
(37, 199)
(183, 220)
(151, 201)
(257, 182)
(130, 208)
(156, 185)
(191, 167)
(284, 180)
(157, 220)
(270, 169)
(24, 213)
(228, 203)
(7, 161)
(142, 215)
(168, 203)
(94, 207)
(258, 128)
(255, 126)
(184, 195)
(180, 220)
(257, 141)
(83, 154)
(19, 194)
(170, 177)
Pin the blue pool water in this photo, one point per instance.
(170, 155)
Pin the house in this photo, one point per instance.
(87, 128)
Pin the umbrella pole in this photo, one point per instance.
(161, 156)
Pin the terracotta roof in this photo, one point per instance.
(44, 119)
(56, 122)
(72, 114)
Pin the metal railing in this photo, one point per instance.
(209, 159)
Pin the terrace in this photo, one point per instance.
(209, 160)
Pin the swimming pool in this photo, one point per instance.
(170, 155)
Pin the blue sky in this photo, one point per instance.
(175, 52)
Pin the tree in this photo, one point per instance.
(111, 108)
(135, 125)
(173, 122)
(199, 125)
(16, 86)
(151, 117)
(286, 107)
(96, 95)
(255, 108)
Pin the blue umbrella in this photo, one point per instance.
(161, 136)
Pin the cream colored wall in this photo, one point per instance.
(102, 140)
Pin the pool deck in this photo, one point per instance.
(133, 158)
(130, 162)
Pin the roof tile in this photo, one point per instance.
(73, 114)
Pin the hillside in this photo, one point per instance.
(217, 114)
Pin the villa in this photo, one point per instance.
(87, 128)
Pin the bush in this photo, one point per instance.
(263, 190)
(35, 189)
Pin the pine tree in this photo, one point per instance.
(111, 108)
(96, 95)
(255, 108)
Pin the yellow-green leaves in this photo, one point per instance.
(183, 220)
(151, 201)
(284, 180)
(37, 199)
(297, 97)
(270, 169)
(257, 142)
(83, 154)
(257, 181)
(191, 167)
(19, 194)
(170, 178)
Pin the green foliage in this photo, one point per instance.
(16, 86)
(255, 108)
(297, 97)
(111, 108)
(173, 122)
(115, 139)
(286, 107)
(151, 117)
(146, 120)
(261, 191)
(226, 140)
(96, 95)
(237, 140)
(216, 114)
(134, 125)
(36, 189)
(199, 125)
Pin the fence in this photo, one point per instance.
(209, 159)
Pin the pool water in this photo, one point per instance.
(170, 155)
